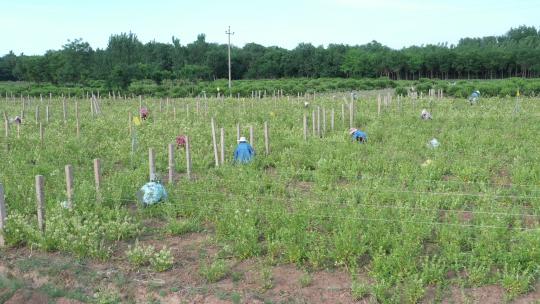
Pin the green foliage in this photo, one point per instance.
(290, 86)
(305, 280)
(323, 203)
(359, 290)
(162, 260)
(180, 227)
(516, 282)
(127, 60)
(214, 272)
(140, 255)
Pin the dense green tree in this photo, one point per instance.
(514, 54)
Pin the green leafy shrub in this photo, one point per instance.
(214, 272)
(162, 260)
(140, 255)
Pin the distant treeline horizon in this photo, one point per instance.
(126, 59)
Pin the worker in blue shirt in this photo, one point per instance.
(244, 152)
(358, 135)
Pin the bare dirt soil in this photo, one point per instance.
(38, 277)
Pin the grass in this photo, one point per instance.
(215, 271)
(322, 203)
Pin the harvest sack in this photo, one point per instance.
(434, 143)
(474, 97)
(151, 193)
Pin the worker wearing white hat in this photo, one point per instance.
(425, 115)
(244, 152)
(358, 135)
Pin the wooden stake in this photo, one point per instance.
(77, 119)
(6, 127)
(266, 138)
(171, 163)
(97, 177)
(332, 120)
(37, 114)
(188, 158)
(18, 130)
(222, 143)
(313, 123)
(40, 197)
(91, 107)
(64, 111)
(324, 121)
(3, 215)
(130, 124)
(305, 127)
(47, 114)
(351, 115)
(69, 184)
(41, 134)
(251, 136)
(318, 122)
(343, 114)
(214, 142)
(151, 164)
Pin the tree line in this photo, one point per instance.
(126, 59)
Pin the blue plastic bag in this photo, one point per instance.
(152, 193)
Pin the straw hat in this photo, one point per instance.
(242, 139)
(352, 130)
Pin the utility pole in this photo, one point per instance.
(229, 33)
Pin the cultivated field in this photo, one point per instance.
(316, 220)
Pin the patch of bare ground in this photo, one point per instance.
(490, 294)
(502, 178)
(533, 297)
(248, 281)
(28, 296)
(301, 186)
(272, 171)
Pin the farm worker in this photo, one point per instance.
(425, 115)
(180, 141)
(474, 97)
(144, 113)
(358, 135)
(306, 104)
(16, 120)
(244, 151)
(152, 192)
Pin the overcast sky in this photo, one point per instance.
(32, 26)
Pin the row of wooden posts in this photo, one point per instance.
(39, 181)
(95, 107)
(219, 156)
(40, 188)
(316, 120)
(114, 95)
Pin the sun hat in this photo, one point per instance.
(352, 130)
(242, 139)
